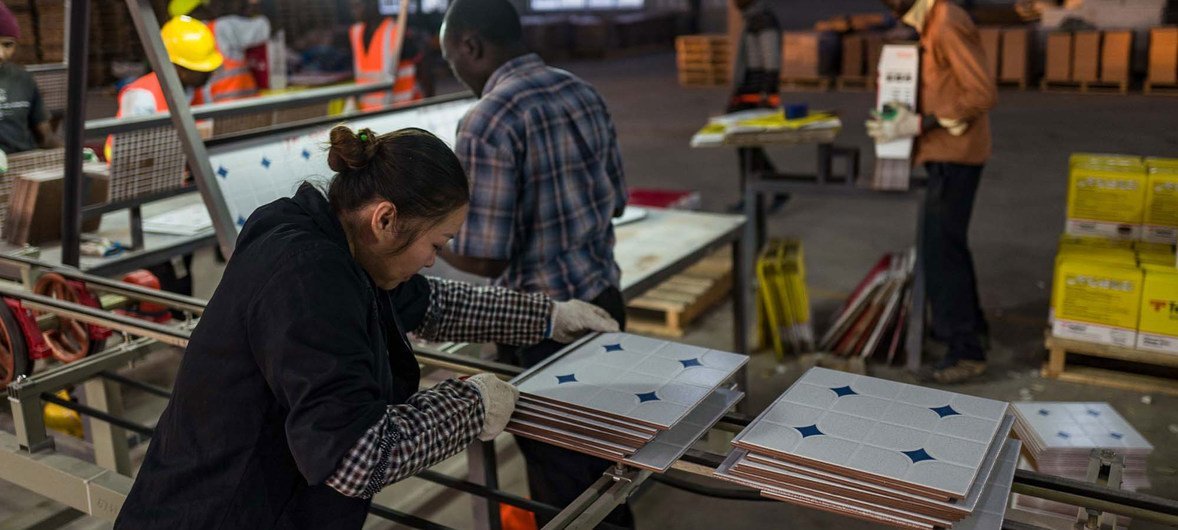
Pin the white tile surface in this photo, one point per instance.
(991, 509)
(1082, 426)
(647, 380)
(911, 438)
(668, 446)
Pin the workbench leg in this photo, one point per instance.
(825, 160)
(136, 228)
(111, 449)
(483, 470)
(28, 415)
(741, 330)
(915, 343)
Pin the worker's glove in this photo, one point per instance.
(896, 122)
(574, 318)
(498, 403)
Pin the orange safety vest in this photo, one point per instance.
(373, 64)
(233, 80)
(150, 83)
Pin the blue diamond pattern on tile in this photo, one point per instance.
(944, 411)
(1093, 412)
(240, 221)
(647, 396)
(918, 455)
(809, 430)
(222, 172)
(306, 154)
(1044, 412)
(688, 363)
(613, 347)
(843, 391)
(570, 378)
(1063, 435)
(266, 162)
(1116, 435)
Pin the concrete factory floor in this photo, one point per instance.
(1017, 221)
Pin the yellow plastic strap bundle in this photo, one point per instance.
(783, 304)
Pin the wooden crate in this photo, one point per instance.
(805, 84)
(1163, 61)
(1058, 366)
(992, 45)
(703, 60)
(1116, 53)
(1086, 56)
(1013, 67)
(673, 305)
(799, 55)
(1059, 58)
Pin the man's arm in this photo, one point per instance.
(487, 268)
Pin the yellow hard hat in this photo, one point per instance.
(178, 8)
(190, 44)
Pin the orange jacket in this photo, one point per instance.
(150, 83)
(373, 64)
(233, 80)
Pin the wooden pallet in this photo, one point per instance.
(853, 82)
(1057, 366)
(1085, 87)
(696, 79)
(1020, 84)
(819, 84)
(669, 308)
(1160, 89)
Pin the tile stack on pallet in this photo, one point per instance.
(51, 29)
(1006, 54)
(1088, 61)
(801, 61)
(1058, 438)
(26, 46)
(703, 60)
(625, 398)
(890, 453)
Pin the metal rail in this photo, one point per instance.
(89, 315)
(180, 302)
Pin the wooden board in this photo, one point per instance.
(1084, 87)
(1057, 366)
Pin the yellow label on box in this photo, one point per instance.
(1106, 200)
(1161, 207)
(1096, 302)
(1158, 328)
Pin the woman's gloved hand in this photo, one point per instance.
(499, 399)
(574, 318)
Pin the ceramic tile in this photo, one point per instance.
(670, 445)
(991, 508)
(936, 456)
(646, 380)
(1080, 425)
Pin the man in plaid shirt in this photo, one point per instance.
(546, 179)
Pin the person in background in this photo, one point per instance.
(758, 75)
(192, 50)
(237, 27)
(373, 37)
(24, 122)
(952, 131)
(546, 179)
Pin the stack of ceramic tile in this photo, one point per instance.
(890, 453)
(625, 398)
(1059, 438)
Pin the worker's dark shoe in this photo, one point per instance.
(949, 372)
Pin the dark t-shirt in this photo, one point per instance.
(21, 109)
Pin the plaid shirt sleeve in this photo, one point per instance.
(489, 231)
(461, 312)
(617, 175)
(432, 426)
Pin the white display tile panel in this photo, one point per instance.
(1080, 427)
(930, 439)
(255, 172)
(991, 509)
(644, 380)
(669, 446)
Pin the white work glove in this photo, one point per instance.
(574, 318)
(499, 399)
(904, 124)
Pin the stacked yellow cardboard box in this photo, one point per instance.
(1116, 279)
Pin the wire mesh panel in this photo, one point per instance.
(305, 112)
(145, 162)
(22, 163)
(52, 84)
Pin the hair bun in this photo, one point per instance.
(350, 150)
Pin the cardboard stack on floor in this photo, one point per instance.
(890, 453)
(1059, 437)
(625, 398)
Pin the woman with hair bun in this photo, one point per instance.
(297, 398)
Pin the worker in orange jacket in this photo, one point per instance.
(237, 29)
(373, 38)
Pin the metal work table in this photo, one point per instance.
(116, 226)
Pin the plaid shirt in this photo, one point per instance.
(437, 423)
(546, 178)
